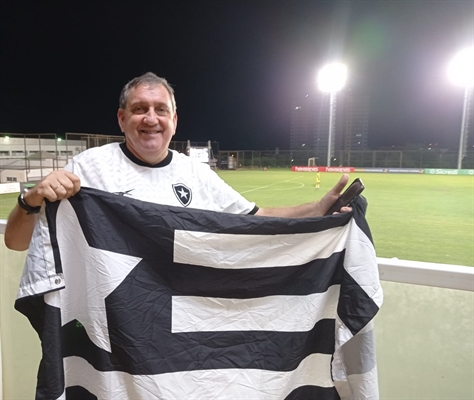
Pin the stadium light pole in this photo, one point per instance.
(331, 79)
(461, 73)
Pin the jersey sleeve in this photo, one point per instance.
(69, 167)
(225, 198)
(39, 273)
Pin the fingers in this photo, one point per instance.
(56, 186)
(60, 185)
(344, 210)
(330, 197)
(339, 187)
(68, 185)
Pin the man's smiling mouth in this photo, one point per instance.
(149, 131)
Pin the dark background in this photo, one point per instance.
(235, 65)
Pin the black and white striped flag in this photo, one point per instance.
(134, 300)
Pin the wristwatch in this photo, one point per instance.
(29, 210)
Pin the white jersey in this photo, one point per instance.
(176, 181)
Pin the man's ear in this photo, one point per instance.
(120, 117)
(175, 121)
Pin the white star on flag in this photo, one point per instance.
(84, 296)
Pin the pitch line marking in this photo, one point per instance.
(267, 186)
(291, 188)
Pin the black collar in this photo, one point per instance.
(137, 161)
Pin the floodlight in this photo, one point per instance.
(332, 77)
(461, 68)
(461, 73)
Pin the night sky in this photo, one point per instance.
(235, 66)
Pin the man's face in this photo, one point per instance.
(148, 122)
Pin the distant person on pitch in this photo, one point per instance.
(143, 167)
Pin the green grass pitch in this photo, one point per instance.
(7, 202)
(412, 217)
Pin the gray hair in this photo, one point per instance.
(146, 79)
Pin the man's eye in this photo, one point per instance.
(163, 111)
(138, 110)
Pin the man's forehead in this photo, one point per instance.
(149, 91)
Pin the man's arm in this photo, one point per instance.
(20, 225)
(314, 209)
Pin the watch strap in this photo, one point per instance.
(29, 210)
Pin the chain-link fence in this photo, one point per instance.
(28, 157)
(424, 158)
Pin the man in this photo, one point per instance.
(144, 168)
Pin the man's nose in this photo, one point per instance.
(151, 118)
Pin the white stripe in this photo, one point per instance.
(361, 264)
(220, 384)
(231, 251)
(272, 313)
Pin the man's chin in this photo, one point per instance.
(149, 152)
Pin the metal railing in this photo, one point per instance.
(424, 331)
(445, 276)
(423, 158)
(50, 146)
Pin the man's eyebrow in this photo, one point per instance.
(131, 105)
(146, 103)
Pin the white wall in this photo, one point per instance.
(18, 175)
(24, 176)
(12, 187)
(22, 147)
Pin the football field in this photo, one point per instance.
(412, 217)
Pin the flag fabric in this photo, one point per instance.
(134, 300)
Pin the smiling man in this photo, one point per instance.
(143, 167)
(147, 115)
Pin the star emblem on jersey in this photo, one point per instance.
(182, 193)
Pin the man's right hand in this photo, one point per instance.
(56, 186)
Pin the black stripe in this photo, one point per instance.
(144, 345)
(313, 393)
(51, 212)
(189, 280)
(79, 393)
(145, 225)
(360, 206)
(355, 308)
(47, 322)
